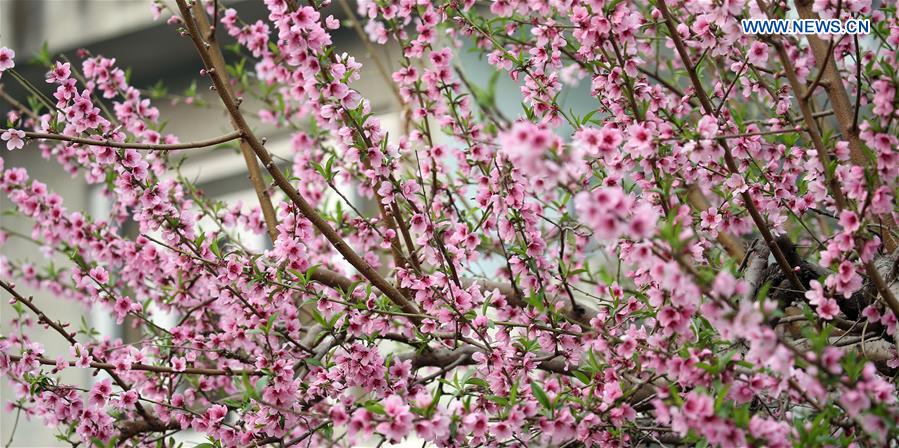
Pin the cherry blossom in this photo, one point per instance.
(6, 59)
(644, 227)
(14, 138)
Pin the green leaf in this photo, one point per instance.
(249, 390)
(158, 90)
(540, 395)
(722, 395)
(581, 376)
(589, 115)
(313, 362)
(214, 247)
(42, 56)
(233, 48)
(375, 408)
(271, 323)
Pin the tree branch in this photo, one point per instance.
(71, 339)
(443, 358)
(833, 85)
(16, 104)
(308, 211)
(215, 64)
(841, 114)
(756, 265)
(156, 369)
(728, 157)
(141, 146)
(844, 112)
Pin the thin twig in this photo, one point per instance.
(217, 69)
(15, 103)
(744, 135)
(155, 369)
(283, 183)
(728, 157)
(140, 146)
(817, 80)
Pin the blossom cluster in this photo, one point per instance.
(708, 254)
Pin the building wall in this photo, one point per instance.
(65, 24)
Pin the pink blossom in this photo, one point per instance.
(14, 138)
(399, 419)
(100, 393)
(854, 402)
(884, 95)
(710, 219)
(361, 422)
(849, 221)
(476, 423)
(828, 309)
(871, 313)
(698, 406)
(179, 364)
(122, 307)
(59, 73)
(831, 359)
(707, 126)
(429, 259)
(129, 399)
(6, 59)
(216, 413)
(815, 294)
(99, 275)
(758, 53)
(846, 281)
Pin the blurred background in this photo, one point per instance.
(155, 53)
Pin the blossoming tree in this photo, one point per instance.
(708, 256)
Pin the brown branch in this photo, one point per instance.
(447, 360)
(42, 318)
(369, 48)
(833, 85)
(10, 288)
(671, 87)
(407, 237)
(823, 113)
(743, 135)
(331, 278)
(463, 357)
(755, 269)
(817, 81)
(155, 369)
(305, 435)
(695, 197)
(812, 127)
(141, 146)
(844, 111)
(699, 202)
(215, 65)
(728, 157)
(833, 183)
(130, 429)
(883, 288)
(16, 104)
(239, 122)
